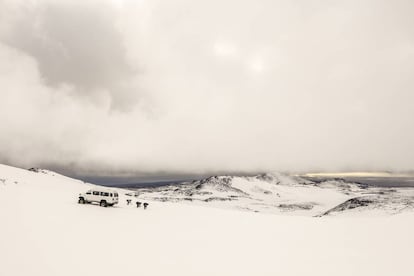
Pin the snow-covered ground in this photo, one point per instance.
(280, 193)
(44, 231)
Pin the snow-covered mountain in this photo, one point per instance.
(281, 193)
(267, 193)
(44, 231)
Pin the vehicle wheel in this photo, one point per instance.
(81, 200)
(103, 203)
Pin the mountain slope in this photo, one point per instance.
(277, 193)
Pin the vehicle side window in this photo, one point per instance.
(88, 192)
(110, 194)
(95, 193)
(104, 194)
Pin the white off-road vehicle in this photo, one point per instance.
(102, 196)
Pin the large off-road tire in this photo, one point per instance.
(81, 200)
(103, 203)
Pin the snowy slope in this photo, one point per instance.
(45, 232)
(280, 193)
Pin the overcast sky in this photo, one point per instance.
(184, 86)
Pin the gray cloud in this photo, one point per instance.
(75, 44)
(192, 87)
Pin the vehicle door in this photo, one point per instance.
(111, 196)
(96, 196)
(88, 195)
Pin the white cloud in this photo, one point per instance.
(182, 86)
